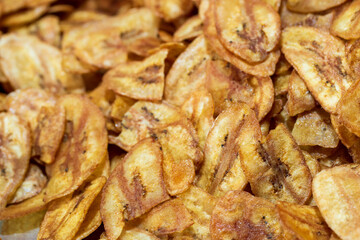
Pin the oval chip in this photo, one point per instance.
(346, 23)
(306, 6)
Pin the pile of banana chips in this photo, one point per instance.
(180, 119)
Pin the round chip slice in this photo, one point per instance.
(250, 29)
(15, 149)
(239, 215)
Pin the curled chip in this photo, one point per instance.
(181, 155)
(134, 187)
(336, 193)
(65, 215)
(15, 150)
(166, 218)
(228, 85)
(184, 79)
(346, 23)
(32, 185)
(170, 10)
(276, 169)
(139, 80)
(199, 109)
(239, 215)
(222, 169)
(319, 59)
(140, 121)
(306, 6)
(249, 29)
(314, 129)
(191, 28)
(299, 97)
(302, 222)
(23, 17)
(83, 147)
(348, 108)
(28, 62)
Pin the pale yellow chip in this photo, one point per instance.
(306, 6)
(170, 10)
(319, 59)
(336, 193)
(139, 80)
(346, 23)
(190, 29)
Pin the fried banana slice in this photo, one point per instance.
(15, 149)
(139, 80)
(249, 29)
(134, 187)
(190, 29)
(319, 59)
(346, 23)
(32, 185)
(83, 147)
(276, 168)
(305, 6)
(222, 169)
(65, 215)
(336, 193)
(27, 62)
(314, 129)
(141, 120)
(170, 10)
(302, 222)
(239, 215)
(24, 17)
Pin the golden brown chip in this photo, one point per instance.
(120, 106)
(348, 108)
(28, 62)
(135, 234)
(166, 218)
(249, 29)
(184, 79)
(314, 129)
(170, 10)
(352, 54)
(283, 67)
(336, 193)
(83, 147)
(15, 149)
(190, 29)
(139, 80)
(80, 17)
(275, 4)
(319, 59)
(263, 69)
(346, 22)
(174, 50)
(281, 84)
(302, 222)
(24, 17)
(22, 225)
(32, 185)
(181, 154)
(141, 120)
(222, 169)
(65, 215)
(134, 187)
(199, 109)
(306, 6)
(299, 97)
(7, 6)
(239, 215)
(312, 163)
(276, 168)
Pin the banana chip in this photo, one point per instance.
(250, 29)
(299, 97)
(199, 109)
(15, 151)
(314, 129)
(320, 62)
(141, 120)
(170, 10)
(353, 53)
(23, 17)
(7, 6)
(32, 185)
(336, 193)
(281, 84)
(346, 23)
(184, 79)
(135, 234)
(239, 215)
(166, 218)
(190, 29)
(134, 187)
(302, 222)
(83, 147)
(181, 155)
(306, 6)
(263, 69)
(139, 80)
(276, 169)
(348, 108)
(65, 215)
(222, 169)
